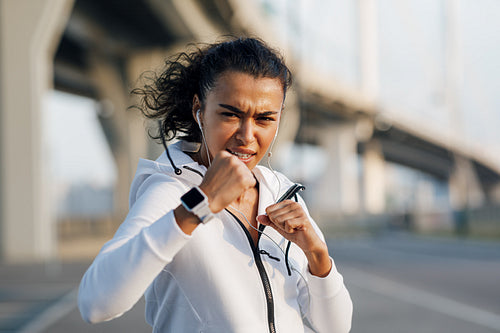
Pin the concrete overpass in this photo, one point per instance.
(99, 48)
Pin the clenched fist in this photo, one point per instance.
(291, 221)
(226, 179)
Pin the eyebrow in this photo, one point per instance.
(236, 110)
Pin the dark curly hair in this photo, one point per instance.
(168, 96)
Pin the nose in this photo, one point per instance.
(246, 131)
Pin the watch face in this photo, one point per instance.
(192, 198)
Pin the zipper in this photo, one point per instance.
(258, 262)
(262, 272)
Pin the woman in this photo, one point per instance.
(205, 240)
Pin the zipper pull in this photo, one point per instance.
(269, 255)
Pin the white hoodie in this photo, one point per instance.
(215, 280)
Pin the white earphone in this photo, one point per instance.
(203, 136)
(198, 118)
(269, 154)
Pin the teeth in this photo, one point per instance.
(239, 155)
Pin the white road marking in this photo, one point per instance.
(398, 291)
(52, 314)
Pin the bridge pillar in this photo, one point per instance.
(126, 128)
(29, 34)
(338, 191)
(137, 64)
(464, 185)
(373, 178)
(125, 131)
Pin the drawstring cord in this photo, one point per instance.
(269, 255)
(287, 263)
(162, 134)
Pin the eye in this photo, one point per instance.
(229, 114)
(265, 119)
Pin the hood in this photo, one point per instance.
(191, 173)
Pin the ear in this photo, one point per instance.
(196, 107)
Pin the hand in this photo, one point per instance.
(226, 179)
(291, 221)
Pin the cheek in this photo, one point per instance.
(267, 138)
(220, 133)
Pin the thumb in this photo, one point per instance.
(263, 219)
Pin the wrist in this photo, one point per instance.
(319, 261)
(196, 202)
(186, 220)
(211, 197)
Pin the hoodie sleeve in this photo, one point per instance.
(330, 306)
(325, 301)
(147, 240)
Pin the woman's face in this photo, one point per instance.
(241, 115)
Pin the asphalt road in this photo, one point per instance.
(399, 283)
(402, 283)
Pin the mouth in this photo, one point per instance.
(243, 155)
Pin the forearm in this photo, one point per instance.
(319, 261)
(125, 268)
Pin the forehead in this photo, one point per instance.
(236, 85)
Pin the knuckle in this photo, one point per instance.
(298, 208)
(280, 222)
(222, 155)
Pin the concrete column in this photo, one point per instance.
(338, 191)
(373, 178)
(138, 64)
(424, 210)
(465, 187)
(129, 138)
(29, 34)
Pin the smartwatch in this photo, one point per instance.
(196, 202)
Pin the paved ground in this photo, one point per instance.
(29, 292)
(398, 282)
